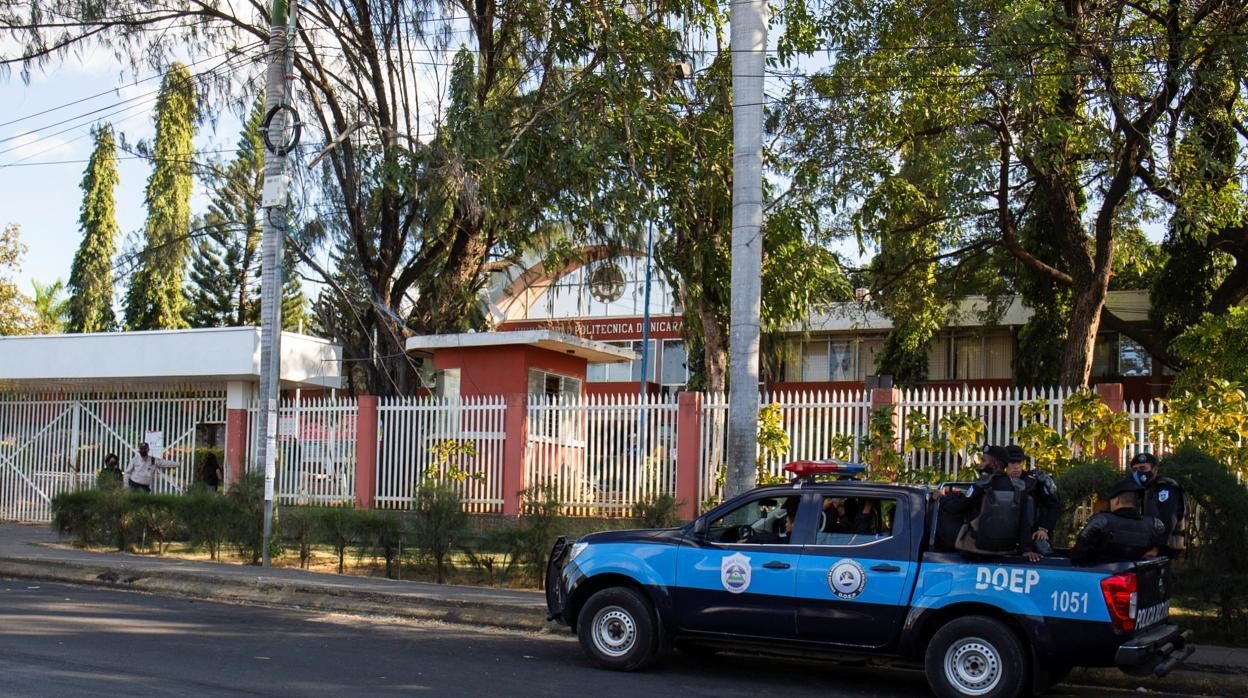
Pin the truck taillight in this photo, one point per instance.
(1120, 598)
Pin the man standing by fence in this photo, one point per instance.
(142, 469)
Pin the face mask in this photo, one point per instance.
(1142, 477)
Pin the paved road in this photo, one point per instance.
(78, 641)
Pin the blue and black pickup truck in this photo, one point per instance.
(844, 566)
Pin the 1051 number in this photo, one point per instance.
(1070, 601)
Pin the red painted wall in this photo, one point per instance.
(504, 370)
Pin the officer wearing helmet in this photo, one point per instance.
(997, 515)
(1043, 492)
(1163, 498)
(1121, 534)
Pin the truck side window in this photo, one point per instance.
(763, 521)
(854, 520)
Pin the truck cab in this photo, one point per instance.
(852, 567)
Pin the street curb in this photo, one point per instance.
(278, 592)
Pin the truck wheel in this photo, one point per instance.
(976, 656)
(616, 628)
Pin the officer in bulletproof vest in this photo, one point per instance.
(1121, 534)
(1043, 493)
(998, 514)
(1164, 499)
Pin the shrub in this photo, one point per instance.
(207, 517)
(438, 519)
(246, 530)
(74, 514)
(340, 527)
(1216, 564)
(152, 518)
(661, 511)
(529, 542)
(385, 533)
(298, 526)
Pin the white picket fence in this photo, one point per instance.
(813, 422)
(602, 454)
(315, 450)
(57, 443)
(410, 430)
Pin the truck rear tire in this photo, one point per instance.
(616, 629)
(976, 656)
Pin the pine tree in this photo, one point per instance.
(91, 275)
(155, 298)
(225, 267)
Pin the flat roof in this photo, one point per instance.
(199, 356)
(591, 350)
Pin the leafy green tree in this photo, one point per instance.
(1076, 113)
(16, 314)
(225, 265)
(91, 275)
(1213, 349)
(50, 306)
(155, 299)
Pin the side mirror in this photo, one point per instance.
(699, 525)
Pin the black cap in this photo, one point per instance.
(997, 452)
(1123, 487)
(1014, 453)
(1144, 458)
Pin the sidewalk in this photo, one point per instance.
(25, 553)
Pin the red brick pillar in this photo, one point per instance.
(688, 452)
(1111, 393)
(365, 451)
(516, 427)
(235, 444)
(881, 397)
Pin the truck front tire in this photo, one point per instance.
(616, 629)
(976, 656)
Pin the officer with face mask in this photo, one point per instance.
(1163, 498)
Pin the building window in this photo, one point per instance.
(1119, 356)
(823, 360)
(675, 363)
(968, 358)
(553, 384)
(626, 370)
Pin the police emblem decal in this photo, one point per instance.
(734, 573)
(846, 579)
(1163, 495)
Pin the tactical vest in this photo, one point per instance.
(1126, 538)
(1176, 539)
(996, 526)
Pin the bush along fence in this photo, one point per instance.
(601, 456)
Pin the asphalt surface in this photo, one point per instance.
(66, 640)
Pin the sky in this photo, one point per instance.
(43, 156)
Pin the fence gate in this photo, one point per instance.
(54, 444)
(315, 450)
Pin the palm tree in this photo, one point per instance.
(51, 307)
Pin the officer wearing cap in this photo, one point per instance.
(1121, 534)
(1043, 493)
(999, 517)
(1163, 498)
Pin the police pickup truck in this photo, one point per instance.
(845, 566)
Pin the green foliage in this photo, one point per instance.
(299, 526)
(1212, 418)
(152, 519)
(339, 526)
(384, 534)
(50, 307)
(438, 521)
(206, 516)
(530, 540)
(1091, 425)
(91, 274)
(448, 462)
(773, 442)
(1049, 449)
(660, 511)
(16, 315)
(1213, 349)
(1215, 568)
(880, 445)
(154, 298)
(246, 497)
(1080, 481)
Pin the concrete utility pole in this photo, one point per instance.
(748, 42)
(274, 204)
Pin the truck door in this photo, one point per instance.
(855, 573)
(738, 576)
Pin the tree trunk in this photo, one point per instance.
(1085, 321)
(715, 350)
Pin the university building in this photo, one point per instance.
(603, 297)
